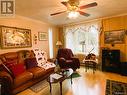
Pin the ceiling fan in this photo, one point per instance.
(73, 7)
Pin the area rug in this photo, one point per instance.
(75, 75)
(116, 88)
(39, 86)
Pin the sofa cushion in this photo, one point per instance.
(50, 70)
(22, 78)
(11, 55)
(17, 69)
(11, 63)
(30, 63)
(37, 71)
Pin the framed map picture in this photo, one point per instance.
(13, 37)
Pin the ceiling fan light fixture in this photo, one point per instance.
(73, 8)
(73, 14)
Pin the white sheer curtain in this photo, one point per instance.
(83, 38)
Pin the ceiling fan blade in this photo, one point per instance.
(57, 13)
(84, 14)
(88, 5)
(64, 3)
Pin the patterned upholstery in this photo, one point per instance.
(66, 59)
(41, 58)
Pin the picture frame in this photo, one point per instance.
(114, 37)
(13, 37)
(42, 36)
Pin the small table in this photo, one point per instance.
(64, 73)
(90, 64)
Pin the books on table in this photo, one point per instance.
(55, 76)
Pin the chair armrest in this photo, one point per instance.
(76, 62)
(62, 59)
(6, 75)
(74, 58)
(69, 61)
(61, 62)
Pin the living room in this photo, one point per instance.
(100, 29)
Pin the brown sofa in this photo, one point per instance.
(13, 84)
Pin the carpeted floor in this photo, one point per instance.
(75, 75)
(116, 88)
(39, 86)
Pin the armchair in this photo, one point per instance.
(66, 59)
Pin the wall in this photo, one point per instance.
(109, 24)
(61, 36)
(55, 39)
(115, 23)
(35, 26)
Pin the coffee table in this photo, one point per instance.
(59, 77)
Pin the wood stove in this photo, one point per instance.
(111, 60)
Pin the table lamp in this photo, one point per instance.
(59, 44)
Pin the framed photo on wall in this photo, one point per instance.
(114, 37)
(42, 36)
(13, 37)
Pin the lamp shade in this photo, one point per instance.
(58, 43)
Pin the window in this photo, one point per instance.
(83, 38)
(50, 43)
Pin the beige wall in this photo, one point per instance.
(35, 26)
(61, 36)
(115, 23)
(55, 39)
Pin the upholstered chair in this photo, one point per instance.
(66, 59)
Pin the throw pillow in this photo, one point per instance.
(17, 69)
(30, 63)
(10, 63)
(41, 57)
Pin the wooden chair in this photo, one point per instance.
(90, 61)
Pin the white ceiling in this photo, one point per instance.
(41, 10)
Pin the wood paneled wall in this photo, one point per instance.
(115, 23)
